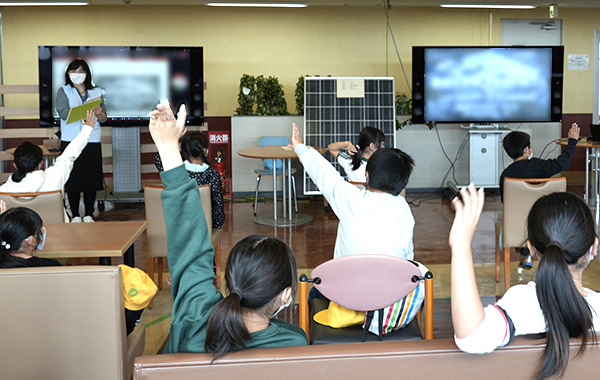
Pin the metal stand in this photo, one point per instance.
(127, 168)
(289, 218)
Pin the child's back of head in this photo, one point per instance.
(515, 143)
(388, 170)
(16, 225)
(193, 146)
(27, 158)
(368, 136)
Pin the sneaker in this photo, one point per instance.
(76, 219)
(88, 219)
(526, 262)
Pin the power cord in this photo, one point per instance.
(389, 26)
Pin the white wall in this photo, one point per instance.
(431, 165)
(244, 132)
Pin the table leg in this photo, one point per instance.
(595, 186)
(289, 179)
(587, 175)
(283, 176)
(275, 191)
(104, 261)
(129, 257)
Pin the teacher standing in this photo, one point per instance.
(86, 176)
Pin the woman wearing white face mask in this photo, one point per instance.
(86, 176)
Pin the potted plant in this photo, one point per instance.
(261, 96)
(404, 111)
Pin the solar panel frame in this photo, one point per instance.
(329, 118)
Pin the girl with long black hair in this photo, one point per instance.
(354, 159)
(260, 273)
(562, 234)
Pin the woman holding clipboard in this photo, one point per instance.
(86, 176)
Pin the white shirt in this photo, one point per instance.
(370, 222)
(522, 306)
(55, 177)
(358, 175)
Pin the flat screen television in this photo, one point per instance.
(487, 84)
(133, 80)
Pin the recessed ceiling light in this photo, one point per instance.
(256, 4)
(488, 6)
(26, 3)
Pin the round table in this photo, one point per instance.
(287, 154)
(592, 156)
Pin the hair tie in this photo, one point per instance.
(238, 292)
(556, 244)
(5, 244)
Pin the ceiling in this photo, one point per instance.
(371, 3)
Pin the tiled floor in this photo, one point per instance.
(313, 244)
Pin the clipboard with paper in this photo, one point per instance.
(80, 112)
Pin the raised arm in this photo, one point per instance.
(61, 170)
(467, 309)
(166, 131)
(336, 147)
(561, 163)
(188, 241)
(329, 181)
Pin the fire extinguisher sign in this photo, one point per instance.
(218, 138)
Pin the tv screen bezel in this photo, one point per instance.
(196, 85)
(419, 80)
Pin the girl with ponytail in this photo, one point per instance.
(354, 160)
(260, 273)
(194, 149)
(561, 233)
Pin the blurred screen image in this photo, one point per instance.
(488, 84)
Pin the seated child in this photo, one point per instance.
(29, 178)
(22, 233)
(562, 234)
(354, 160)
(260, 273)
(517, 146)
(376, 220)
(193, 151)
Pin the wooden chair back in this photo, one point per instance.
(48, 204)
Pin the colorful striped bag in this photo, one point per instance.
(402, 312)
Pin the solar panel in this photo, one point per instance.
(338, 108)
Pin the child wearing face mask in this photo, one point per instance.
(22, 233)
(260, 274)
(86, 176)
(518, 147)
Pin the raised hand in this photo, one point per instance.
(296, 139)
(90, 118)
(466, 217)
(573, 131)
(166, 130)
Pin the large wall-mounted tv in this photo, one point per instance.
(487, 84)
(133, 80)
